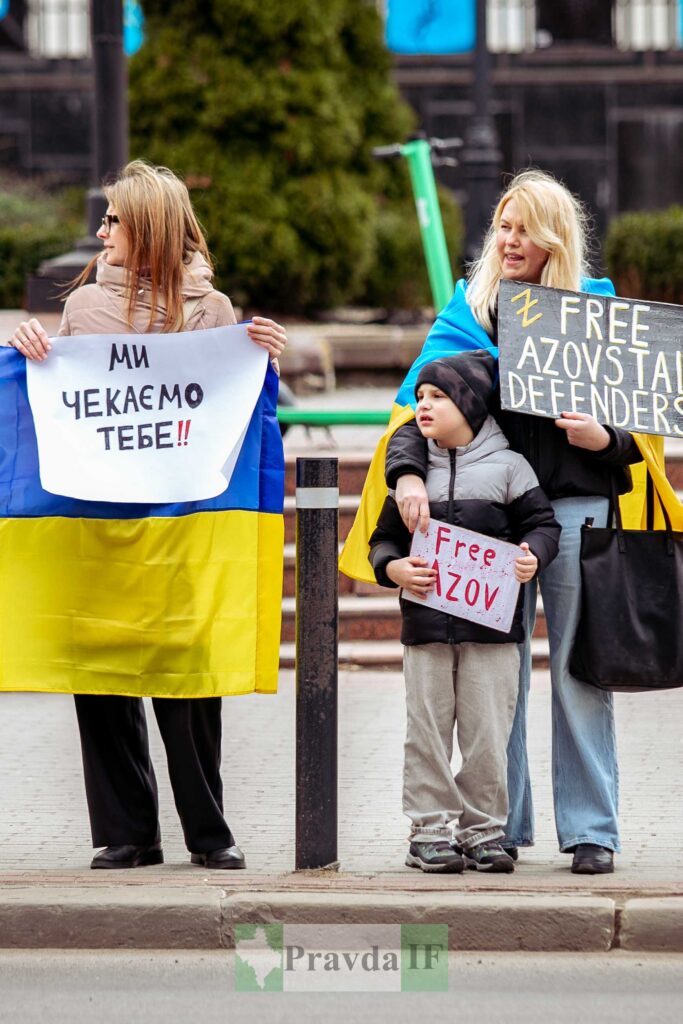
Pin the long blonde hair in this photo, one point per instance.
(155, 211)
(554, 219)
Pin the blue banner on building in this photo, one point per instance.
(431, 26)
(4, 8)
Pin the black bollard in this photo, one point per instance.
(317, 631)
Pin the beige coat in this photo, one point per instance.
(102, 308)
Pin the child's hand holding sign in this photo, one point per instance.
(412, 574)
(526, 566)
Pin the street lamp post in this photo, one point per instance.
(481, 156)
(110, 151)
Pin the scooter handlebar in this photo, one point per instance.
(385, 152)
(396, 149)
(453, 143)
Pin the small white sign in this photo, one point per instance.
(152, 418)
(475, 574)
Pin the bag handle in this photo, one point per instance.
(650, 501)
(621, 538)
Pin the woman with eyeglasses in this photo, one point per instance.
(153, 275)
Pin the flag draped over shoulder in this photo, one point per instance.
(651, 448)
(455, 330)
(176, 600)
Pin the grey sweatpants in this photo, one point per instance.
(471, 687)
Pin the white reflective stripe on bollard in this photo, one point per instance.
(317, 497)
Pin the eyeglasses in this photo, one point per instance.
(108, 220)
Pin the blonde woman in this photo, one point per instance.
(538, 235)
(153, 275)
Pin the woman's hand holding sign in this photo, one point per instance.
(30, 338)
(584, 431)
(268, 334)
(412, 574)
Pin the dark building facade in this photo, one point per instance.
(45, 90)
(592, 90)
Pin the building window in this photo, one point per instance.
(515, 26)
(58, 28)
(511, 25)
(648, 24)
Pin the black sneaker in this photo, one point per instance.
(436, 856)
(512, 851)
(488, 857)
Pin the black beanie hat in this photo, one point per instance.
(467, 379)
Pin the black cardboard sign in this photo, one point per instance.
(620, 360)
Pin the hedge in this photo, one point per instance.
(644, 255)
(33, 227)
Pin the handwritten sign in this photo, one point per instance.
(619, 360)
(475, 574)
(153, 418)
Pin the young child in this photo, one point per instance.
(461, 673)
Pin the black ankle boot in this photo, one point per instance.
(590, 859)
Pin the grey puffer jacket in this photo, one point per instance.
(483, 487)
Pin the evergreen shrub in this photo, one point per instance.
(644, 255)
(270, 110)
(34, 226)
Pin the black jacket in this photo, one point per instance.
(563, 470)
(484, 487)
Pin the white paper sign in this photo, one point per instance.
(151, 418)
(475, 574)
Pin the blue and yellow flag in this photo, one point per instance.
(139, 600)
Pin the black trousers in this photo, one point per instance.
(120, 784)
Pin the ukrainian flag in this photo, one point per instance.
(139, 600)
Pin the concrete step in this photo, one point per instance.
(388, 654)
(371, 618)
(348, 506)
(353, 467)
(346, 585)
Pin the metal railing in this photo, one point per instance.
(291, 417)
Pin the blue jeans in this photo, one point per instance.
(584, 753)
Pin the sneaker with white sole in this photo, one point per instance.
(487, 856)
(434, 856)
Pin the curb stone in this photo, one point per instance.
(172, 918)
(111, 919)
(653, 925)
(494, 923)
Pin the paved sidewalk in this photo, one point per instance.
(50, 898)
(44, 825)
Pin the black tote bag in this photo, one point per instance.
(630, 634)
